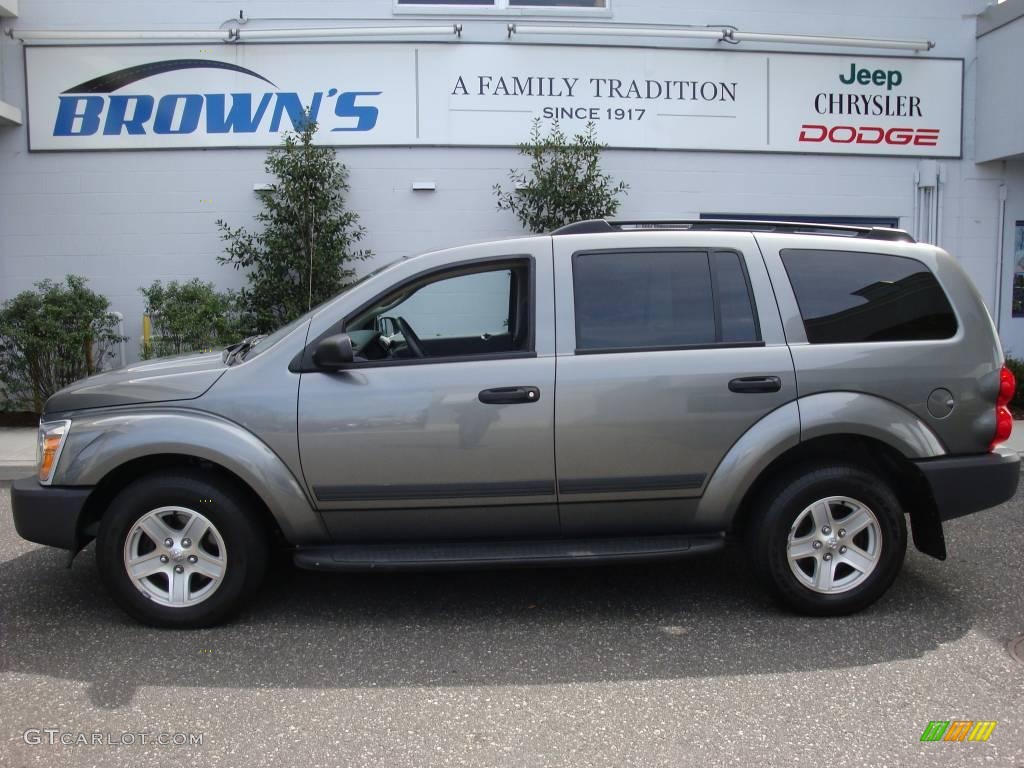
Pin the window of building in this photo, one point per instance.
(1017, 306)
(503, 5)
(460, 314)
(644, 300)
(849, 297)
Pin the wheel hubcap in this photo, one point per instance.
(175, 556)
(834, 545)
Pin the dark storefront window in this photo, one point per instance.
(1018, 269)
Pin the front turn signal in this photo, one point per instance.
(52, 435)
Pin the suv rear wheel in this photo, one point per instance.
(180, 549)
(829, 539)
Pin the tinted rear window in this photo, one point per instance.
(850, 296)
(735, 304)
(661, 299)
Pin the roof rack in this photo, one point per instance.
(597, 226)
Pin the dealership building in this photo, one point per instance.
(128, 129)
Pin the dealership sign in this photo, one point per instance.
(163, 97)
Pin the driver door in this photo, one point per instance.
(444, 426)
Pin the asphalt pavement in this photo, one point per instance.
(675, 664)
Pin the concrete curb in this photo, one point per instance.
(16, 471)
(17, 452)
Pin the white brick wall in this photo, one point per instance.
(126, 218)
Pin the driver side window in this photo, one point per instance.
(472, 311)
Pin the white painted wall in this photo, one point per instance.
(127, 218)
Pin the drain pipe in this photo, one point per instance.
(1000, 255)
(120, 332)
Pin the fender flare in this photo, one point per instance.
(858, 413)
(100, 443)
(820, 415)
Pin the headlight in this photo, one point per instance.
(52, 435)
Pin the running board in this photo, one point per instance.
(501, 554)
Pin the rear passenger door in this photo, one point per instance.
(669, 348)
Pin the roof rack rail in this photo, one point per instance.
(597, 226)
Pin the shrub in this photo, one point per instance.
(302, 255)
(1016, 366)
(189, 317)
(564, 184)
(51, 337)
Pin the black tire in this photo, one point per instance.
(781, 505)
(242, 531)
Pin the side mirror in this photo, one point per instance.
(334, 352)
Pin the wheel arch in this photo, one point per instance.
(898, 472)
(107, 450)
(852, 426)
(119, 477)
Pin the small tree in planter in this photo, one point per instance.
(304, 253)
(564, 184)
(51, 337)
(189, 317)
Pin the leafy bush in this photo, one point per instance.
(51, 337)
(1016, 366)
(189, 317)
(564, 184)
(302, 255)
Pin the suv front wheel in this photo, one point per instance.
(829, 539)
(181, 549)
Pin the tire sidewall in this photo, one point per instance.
(793, 498)
(245, 547)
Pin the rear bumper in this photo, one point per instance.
(962, 485)
(48, 514)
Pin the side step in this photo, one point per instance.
(501, 554)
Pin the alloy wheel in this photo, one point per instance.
(834, 545)
(175, 556)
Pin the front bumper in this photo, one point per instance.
(48, 514)
(962, 485)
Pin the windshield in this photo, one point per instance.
(265, 343)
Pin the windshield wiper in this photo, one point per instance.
(238, 350)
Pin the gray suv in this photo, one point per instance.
(616, 391)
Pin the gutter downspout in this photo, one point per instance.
(1000, 254)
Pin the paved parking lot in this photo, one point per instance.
(668, 665)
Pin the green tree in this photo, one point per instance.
(188, 317)
(304, 252)
(51, 337)
(564, 184)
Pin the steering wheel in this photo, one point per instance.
(410, 337)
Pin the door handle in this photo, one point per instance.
(755, 384)
(508, 395)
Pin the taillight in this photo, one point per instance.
(1004, 419)
(1007, 386)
